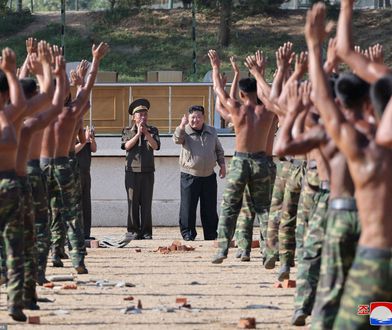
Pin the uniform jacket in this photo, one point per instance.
(141, 157)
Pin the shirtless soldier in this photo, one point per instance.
(370, 166)
(249, 166)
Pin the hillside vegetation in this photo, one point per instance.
(161, 40)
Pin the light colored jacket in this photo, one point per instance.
(199, 152)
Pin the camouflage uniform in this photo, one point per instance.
(282, 171)
(244, 229)
(289, 212)
(11, 229)
(246, 170)
(73, 161)
(309, 270)
(305, 205)
(338, 254)
(57, 225)
(29, 240)
(64, 176)
(41, 208)
(369, 280)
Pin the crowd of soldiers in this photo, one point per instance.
(325, 197)
(40, 202)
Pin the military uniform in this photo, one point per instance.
(139, 181)
(309, 270)
(246, 170)
(340, 243)
(40, 209)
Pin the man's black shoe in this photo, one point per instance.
(17, 314)
(299, 318)
(56, 261)
(284, 273)
(32, 305)
(218, 258)
(81, 269)
(270, 263)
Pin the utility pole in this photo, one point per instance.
(63, 26)
(170, 4)
(32, 6)
(194, 37)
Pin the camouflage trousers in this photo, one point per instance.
(369, 280)
(64, 176)
(282, 172)
(56, 221)
(246, 170)
(41, 208)
(11, 231)
(73, 161)
(29, 241)
(288, 217)
(306, 203)
(244, 229)
(309, 269)
(338, 254)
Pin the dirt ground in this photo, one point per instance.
(219, 295)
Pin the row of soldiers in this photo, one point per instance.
(329, 204)
(39, 183)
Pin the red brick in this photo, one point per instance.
(289, 284)
(255, 244)
(49, 285)
(247, 323)
(94, 244)
(181, 301)
(33, 320)
(138, 250)
(71, 286)
(139, 304)
(278, 285)
(129, 298)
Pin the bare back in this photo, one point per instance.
(252, 126)
(64, 131)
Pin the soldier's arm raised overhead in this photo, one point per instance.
(229, 103)
(365, 68)
(384, 131)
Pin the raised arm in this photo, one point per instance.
(363, 67)
(98, 53)
(332, 62)
(17, 105)
(179, 133)
(343, 133)
(227, 102)
(236, 79)
(218, 105)
(31, 48)
(283, 56)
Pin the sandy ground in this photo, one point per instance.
(219, 295)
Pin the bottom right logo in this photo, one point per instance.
(381, 313)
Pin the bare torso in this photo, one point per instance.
(64, 131)
(252, 127)
(8, 157)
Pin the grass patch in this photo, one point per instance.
(11, 22)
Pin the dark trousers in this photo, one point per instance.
(139, 187)
(85, 180)
(193, 188)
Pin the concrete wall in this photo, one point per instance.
(109, 204)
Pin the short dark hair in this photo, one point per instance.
(29, 87)
(193, 108)
(380, 93)
(351, 90)
(248, 85)
(3, 83)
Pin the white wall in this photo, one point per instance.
(109, 204)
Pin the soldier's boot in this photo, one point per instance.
(269, 262)
(17, 314)
(56, 260)
(284, 273)
(219, 257)
(245, 256)
(31, 304)
(299, 318)
(238, 254)
(41, 279)
(62, 254)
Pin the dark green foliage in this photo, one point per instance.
(12, 21)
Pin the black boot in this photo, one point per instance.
(17, 314)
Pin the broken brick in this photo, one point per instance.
(247, 323)
(255, 244)
(138, 250)
(70, 286)
(278, 285)
(287, 284)
(129, 298)
(181, 301)
(49, 285)
(139, 304)
(177, 243)
(33, 320)
(94, 244)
